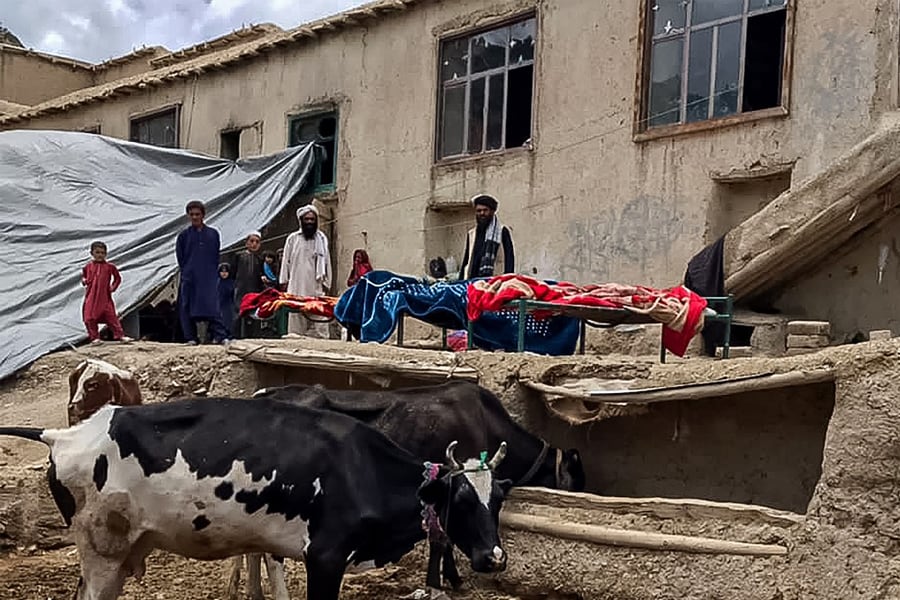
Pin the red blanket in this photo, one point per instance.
(678, 309)
(266, 303)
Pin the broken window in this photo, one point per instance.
(487, 81)
(230, 144)
(710, 59)
(321, 129)
(158, 129)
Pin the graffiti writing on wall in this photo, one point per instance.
(637, 236)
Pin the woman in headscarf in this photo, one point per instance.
(361, 266)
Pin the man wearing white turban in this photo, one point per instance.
(306, 268)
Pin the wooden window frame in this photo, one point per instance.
(467, 80)
(319, 113)
(641, 132)
(146, 115)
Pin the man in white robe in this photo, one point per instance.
(306, 268)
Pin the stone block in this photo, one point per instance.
(799, 351)
(807, 341)
(809, 328)
(879, 335)
(736, 352)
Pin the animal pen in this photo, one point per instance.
(745, 478)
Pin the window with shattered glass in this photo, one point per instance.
(158, 129)
(321, 129)
(710, 59)
(486, 90)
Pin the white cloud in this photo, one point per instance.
(52, 42)
(95, 30)
(82, 23)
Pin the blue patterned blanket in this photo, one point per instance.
(371, 309)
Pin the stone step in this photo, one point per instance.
(809, 328)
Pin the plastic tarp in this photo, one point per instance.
(59, 191)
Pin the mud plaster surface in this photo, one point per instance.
(847, 547)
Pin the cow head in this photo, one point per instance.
(570, 471)
(467, 500)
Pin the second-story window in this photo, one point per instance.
(710, 59)
(486, 90)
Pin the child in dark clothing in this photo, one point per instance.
(226, 294)
(100, 279)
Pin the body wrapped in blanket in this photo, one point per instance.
(265, 304)
(678, 309)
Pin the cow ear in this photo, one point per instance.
(117, 390)
(432, 492)
(505, 485)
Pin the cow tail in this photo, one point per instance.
(29, 433)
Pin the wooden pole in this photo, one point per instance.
(608, 536)
(661, 508)
(688, 392)
(336, 361)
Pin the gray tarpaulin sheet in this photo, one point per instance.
(59, 191)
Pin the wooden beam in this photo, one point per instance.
(335, 361)
(798, 250)
(813, 217)
(609, 536)
(665, 508)
(752, 174)
(694, 391)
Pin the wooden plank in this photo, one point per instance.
(694, 391)
(818, 216)
(666, 508)
(609, 536)
(335, 361)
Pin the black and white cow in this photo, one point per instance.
(213, 478)
(423, 420)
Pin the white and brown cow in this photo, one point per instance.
(95, 383)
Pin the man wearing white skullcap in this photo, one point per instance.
(306, 268)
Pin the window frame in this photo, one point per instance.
(485, 75)
(319, 113)
(642, 132)
(149, 114)
(231, 130)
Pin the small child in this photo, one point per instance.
(269, 278)
(100, 279)
(226, 295)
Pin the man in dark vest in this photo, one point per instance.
(489, 245)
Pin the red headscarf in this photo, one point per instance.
(361, 266)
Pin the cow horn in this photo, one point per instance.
(498, 458)
(451, 457)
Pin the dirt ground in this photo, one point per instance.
(54, 576)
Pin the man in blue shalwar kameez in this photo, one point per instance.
(197, 250)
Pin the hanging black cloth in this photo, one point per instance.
(705, 275)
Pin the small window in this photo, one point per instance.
(230, 144)
(710, 59)
(321, 129)
(158, 129)
(486, 88)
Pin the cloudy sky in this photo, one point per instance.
(96, 30)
